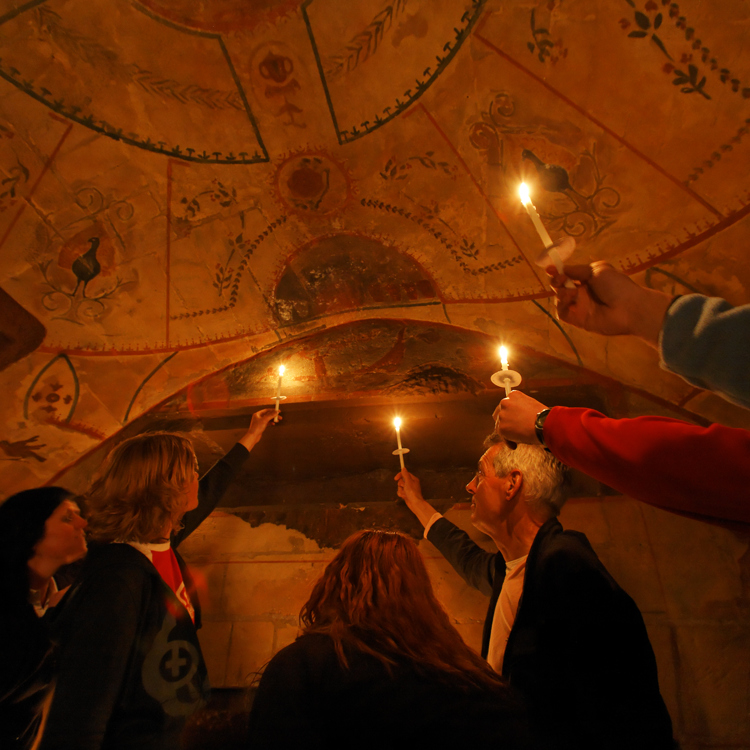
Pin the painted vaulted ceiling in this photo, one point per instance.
(192, 193)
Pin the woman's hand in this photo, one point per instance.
(260, 420)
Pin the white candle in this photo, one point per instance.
(504, 357)
(282, 369)
(504, 363)
(397, 425)
(523, 192)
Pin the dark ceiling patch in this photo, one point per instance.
(432, 379)
(349, 272)
(20, 331)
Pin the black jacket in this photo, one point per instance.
(306, 699)
(578, 649)
(130, 665)
(26, 671)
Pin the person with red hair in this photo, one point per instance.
(378, 663)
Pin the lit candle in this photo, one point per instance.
(400, 451)
(505, 377)
(504, 357)
(282, 369)
(523, 192)
(504, 363)
(552, 252)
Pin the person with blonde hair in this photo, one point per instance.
(379, 664)
(130, 666)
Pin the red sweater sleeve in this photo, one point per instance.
(664, 462)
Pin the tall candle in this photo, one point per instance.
(397, 425)
(523, 192)
(504, 357)
(282, 369)
(504, 363)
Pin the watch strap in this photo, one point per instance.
(541, 417)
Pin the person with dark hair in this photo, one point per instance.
(378, 664)
(40, 531)
(130, 664)
(558, 626)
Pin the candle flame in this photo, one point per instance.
(504, 356)
(523, 192)
(397, 423)
(282, 370)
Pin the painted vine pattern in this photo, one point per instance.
(247, 247)
(458, 251)
(687, 76)
(365, 43)
(395, 171)
(74, 112)
(91, 52)
(542, 45)
(17, 175)
(700, 169)
(429, 76)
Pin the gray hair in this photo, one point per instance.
(545, 479)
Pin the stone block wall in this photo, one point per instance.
(690, 578)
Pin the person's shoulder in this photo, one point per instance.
(311, 657)
(112, 569)
(307, 647)
(562, 549)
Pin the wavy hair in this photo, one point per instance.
(139, 488)
(376, 596)
(545, 479)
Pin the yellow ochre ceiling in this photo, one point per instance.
(188, 186)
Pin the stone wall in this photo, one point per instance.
(691, 580)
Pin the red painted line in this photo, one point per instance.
(695, 392)
(630, 270)
(27, 197)
(151, 350)
(601, 125)
(479, 188)
(720, 226)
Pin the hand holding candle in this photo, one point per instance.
(401, 450)
(506, 378)
(553, 254)
(278, 398)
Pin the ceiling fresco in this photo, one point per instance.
(194, 193)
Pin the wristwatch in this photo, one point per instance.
(539, 427)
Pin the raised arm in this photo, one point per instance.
(664, 462)
(215, 481)
(475, 565)
(609, 302)
(707, 342)
(702, 339)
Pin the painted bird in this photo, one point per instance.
(86, 267)
(552, 177)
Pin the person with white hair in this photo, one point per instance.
(558, 626)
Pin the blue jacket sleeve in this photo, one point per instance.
(707, 342)
(475, 565)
